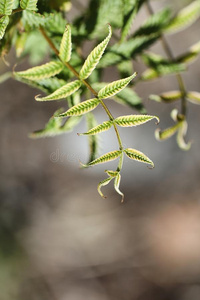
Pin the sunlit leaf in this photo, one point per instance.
(134, 120)
(193, 97)
(6, 7)
(116, 186)
(167, 97)
(166, 133)
(99, 128)
(137, 155)
(81, 108)
(190, 55)
(103, 183)
(4, 21)
(66, 45)
(181, 137)
(29, 4)
(105, 158)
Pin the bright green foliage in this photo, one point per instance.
(134, 120)
(6, 7)
(33, 19)
(194, 97)
(99, 128)
(45, 71)
(81, 108)
(66, 45)
(167, 97)
(185, 17)
(29, 4)
(137, 155)
(111, 173)
(94, 57)
(92, 140)
(114, 87)
(116, 186)
(62, 92)
(106, 157)
(4, 21)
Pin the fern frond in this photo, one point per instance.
(137, 155)
(44, 71)
(114, 87)
(66, 45)
(62, 92)
(29, 4)
(81, 108)
(6, 7)
(99, 128)
(134, 120)
(94, 57)
(4, 21)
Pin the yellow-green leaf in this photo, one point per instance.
(6, 7)
(81, 108)
(166, 133)
(194, 97)
(137, 155)
(103, 183)
(106, 157)
(92, 140)
(99, 128)
(167, 97)
(29, 4)
(134, 120)
(66, 45)
(3, 25)
(181, 137)
(116, 186)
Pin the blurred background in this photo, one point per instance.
(59, 240)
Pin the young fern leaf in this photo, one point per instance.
(99, 128)
(66, 45)
(103, 183)
(184, 18)
(114, 87)
(29, 4)
(62, 92)
(44, 71)
(193, 97)
(137, 155)
(94, 57)
(6, 7)
(4, 21)
(92, 140)
(134, 120)
(167, 97)
(116, 186)
(105, 158)
(81, 108)
(161, 135)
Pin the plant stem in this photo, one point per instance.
(51, 44)
(170, 55)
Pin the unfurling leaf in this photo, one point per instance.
(167, 97)
(184, 18)
(93, 140)
(62, 92)
(166, 133)
(29, 4)
(116, 186)
(3, 25)
(134, 120)
(44, 71)
(94, 57)
(66, 45)
(194, 97)
(181, 135)
(103, 183)
(137, 155)
(114, 87)
(105, 158)
(6, 7)
(99, 128)
(81, 108)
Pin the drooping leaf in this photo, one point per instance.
(99, 128)
(103, 183)
(66, 45)
(93, 140)
(29, 4)
(114, 87)
(167, 97)
(111, 173)
(193, 97)
(81, 108)
(94, 57)
(166, 133)
(190, 55)
(187, 16)
(3, 25)
(44, 71)
(134, 120)
(116, 186)
(6, 7)
(137, 155)
(181, 137)
(105, 158)
(62, 92)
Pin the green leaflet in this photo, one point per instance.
(29, 4)
(3, 25)
(137, 155)
(81, 108)
(33, 19)
(66, 45)
(114, 87)
(93, 140)
(167, 133)
(94, 57)
(99, 128)
(167, 97)
(134, 120)
(116, 186)
(105, 158)
(184, 18)
(180, 137)
(193, 97)
(62, 92)
(111, 173)
(6, 7)
(128, 19)
(191, 55)
(103, 183)
(44, 71)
